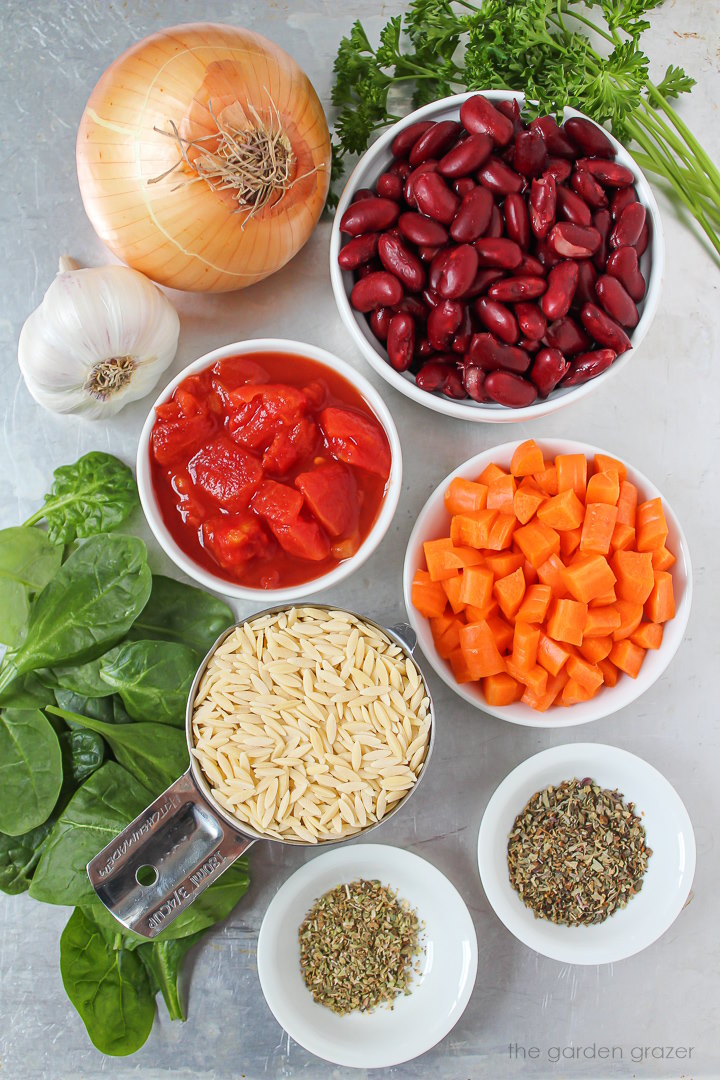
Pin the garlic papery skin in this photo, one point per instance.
(101, 338)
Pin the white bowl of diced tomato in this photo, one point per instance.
(269, 469)
(549, 583)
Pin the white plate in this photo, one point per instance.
(433, 521)
(441, 991)
(667, 881)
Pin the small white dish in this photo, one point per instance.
(347, 566)
(668, 878)
(376, 160)
(442, 989)
(433, 521)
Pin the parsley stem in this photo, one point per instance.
(704, 159)
(587, 22)
(663, 131)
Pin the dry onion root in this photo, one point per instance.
(203, 157)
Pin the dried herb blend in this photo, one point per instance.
(576, 853)
(357, 947)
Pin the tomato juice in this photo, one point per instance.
(268, 469)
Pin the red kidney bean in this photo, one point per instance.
(609, 173)
(473, 217)
(546, 256)
(517, 221)
(499, 178)
(458, 271)
(573, 241)
(443, 323)
(401, 341)
(622, 198)
(643, 241)
(443, 376)
(629, 226)
(431, 298)
(556, 141)
(602, 221)
(464, 186)
(409, 190)
(368, 268)
(604, 329)
(421, 230)
(463, 335)
(401, 169)
(380, 322)
(529, 153)
(619, 305)
(558, 167)
(466, 156)
(588, 189)
(588, 137)
(561, 285)
(587, 276)
(531, 320)
(623, 265)
(498, 319)
(412, 305)
(511, 109)
(571, 207)
(495, 227)
(376, 290)
(483, 280)
(508, 389)
(423, 348)
(389, 186)
(543, 205)
(435, 198)
(588, 365)
(436, 268)
(492, 355)
(479, 116)
(530, 267)
(434, 142)
(530, 345)
(498, 251)
(404, 141)
(401, 262)
(510, 290)
(565, 334)
(359, 250)
(427, 254)
(363, 193)
(473, 381)
(548, 368)
(369, 215)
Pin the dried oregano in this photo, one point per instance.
(357, 947)
(576, 853)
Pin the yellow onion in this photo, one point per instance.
(203, 157)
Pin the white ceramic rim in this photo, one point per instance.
(609, 699)
(366, 171)
(345, 568)
(573, 944)
(350, 863)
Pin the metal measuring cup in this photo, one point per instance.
(185, 840)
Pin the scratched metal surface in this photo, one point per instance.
(662, 415)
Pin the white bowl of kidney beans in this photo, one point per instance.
(494, 268)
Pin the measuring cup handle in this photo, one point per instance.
(157, 866)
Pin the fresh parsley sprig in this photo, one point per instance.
(549, 50)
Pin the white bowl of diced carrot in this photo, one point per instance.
(549, 584)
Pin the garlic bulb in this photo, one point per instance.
(101, 337)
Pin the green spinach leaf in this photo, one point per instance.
(180, 612)
(19, 856)
(109, 987)
(83, 752)
(28, 560)
(153, 678)
(88, 606)
(14, 612)
(154, 753)
(27, 692)
(163, 962)
(98, 708)
(94, 495)
(82, 679)
(97, 812)
(30, 770)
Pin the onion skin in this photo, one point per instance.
(189, 238)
